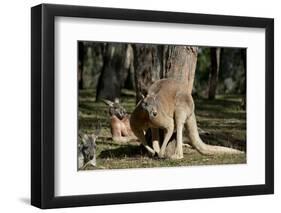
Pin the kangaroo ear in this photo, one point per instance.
(108, 102)
(142, 96)
(84, 138)
(80, 146)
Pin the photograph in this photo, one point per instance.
(160, 105)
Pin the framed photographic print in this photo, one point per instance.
(139, 106)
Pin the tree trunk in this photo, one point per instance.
(243, 56)
(214, 72)
(114, 72)
(153, 62)
(129, 65)
(90, 64)
(180, 64)
(147, 66)
(80, 64)
(244, 80)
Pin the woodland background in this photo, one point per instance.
(223, 67)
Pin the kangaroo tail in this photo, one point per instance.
(200, 146)
(206, 149)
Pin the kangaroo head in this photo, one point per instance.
(150, 104)
(116, 109)
(87, 146)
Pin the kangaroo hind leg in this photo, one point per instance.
(168, 132)
(180, 118)
(155, 140)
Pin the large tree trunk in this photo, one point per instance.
(153, 62)
(147, 66)
(114, 72)
(214, 72)
(180, 64)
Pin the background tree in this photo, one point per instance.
(147, 65)
(214, 72)
(115, 70)
(129, 66)
(153, 62)
(181, 64)
(80, 64)
(110, 67)
(90, 62)
(244, 86)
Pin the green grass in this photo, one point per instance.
(222, 122)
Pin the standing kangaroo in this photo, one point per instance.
(168, 106)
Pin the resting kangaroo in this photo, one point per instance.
(119, 122)
(168, 106)
(87, 148)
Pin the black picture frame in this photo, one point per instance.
(43, 102)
